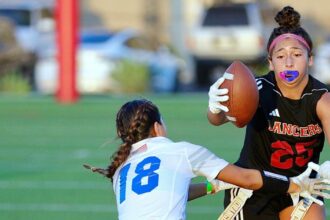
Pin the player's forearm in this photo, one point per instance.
(322, 111)
(245, 178)
(216, 119)
(256, 180)
(327, 132)
(196, 190)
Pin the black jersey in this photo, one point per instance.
(284, 134)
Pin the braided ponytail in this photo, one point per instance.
(134, 122)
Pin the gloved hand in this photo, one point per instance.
(310, 187)
(216, 96)
(324, 170)
(218, 185)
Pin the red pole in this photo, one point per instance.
(67, 14)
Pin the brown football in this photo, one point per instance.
(243, 93)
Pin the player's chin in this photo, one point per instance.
(290, 83)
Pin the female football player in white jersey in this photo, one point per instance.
(290, 125)
(151, 174)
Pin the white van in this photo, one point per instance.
(226, 32)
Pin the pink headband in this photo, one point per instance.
(287, 35)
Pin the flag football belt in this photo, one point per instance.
(236, 204)
(301, 209)
(271, 183)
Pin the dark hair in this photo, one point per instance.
(134, 122)
(289, 22)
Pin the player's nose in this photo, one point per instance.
(289, 61)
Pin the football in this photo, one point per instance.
(243, 93)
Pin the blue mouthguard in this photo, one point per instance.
(289, 75)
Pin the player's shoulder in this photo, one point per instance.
(314, 90)
(194, 151)
(266, 81)
(184, 148)
(188, 145)
(166, 146)
(317, 85)
(189, 148)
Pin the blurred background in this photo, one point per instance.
(147, 45)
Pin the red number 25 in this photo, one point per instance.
(285, 155)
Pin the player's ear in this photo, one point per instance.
(159, 129)
(270, 63)
(311, 60)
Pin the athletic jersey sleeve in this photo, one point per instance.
(203, 162)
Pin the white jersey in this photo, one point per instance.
(153, 182)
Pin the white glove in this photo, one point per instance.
(310, 187)
(324, 170)
(216, 96)
(218, 185)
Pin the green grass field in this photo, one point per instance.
(43, 146)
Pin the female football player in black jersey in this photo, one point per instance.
(292, 120)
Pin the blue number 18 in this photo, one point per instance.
(141, 171)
